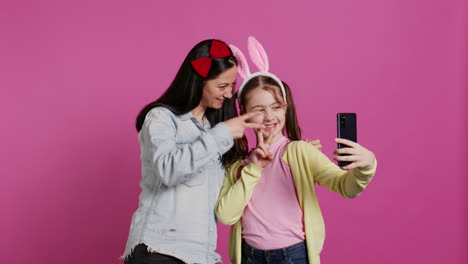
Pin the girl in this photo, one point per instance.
(269, 197)
(185, 138)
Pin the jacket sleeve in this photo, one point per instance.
(348, 184)
(236, 192)
(174, 163)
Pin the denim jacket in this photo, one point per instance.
(181, 179)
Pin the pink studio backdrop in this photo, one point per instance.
(74, 74)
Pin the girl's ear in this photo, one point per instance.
(242, 67)
(242, 109)
(257, 54)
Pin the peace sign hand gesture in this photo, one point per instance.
(260, 155)
(359, 156)
(237, 125)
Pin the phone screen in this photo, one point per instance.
(347, 129)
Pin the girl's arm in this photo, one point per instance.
(240, 181)
(348, 184)
(236, 192)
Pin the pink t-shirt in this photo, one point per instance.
(273, 218)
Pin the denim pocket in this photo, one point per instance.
(299, 257)
(197, 177)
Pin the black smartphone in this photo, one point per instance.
(347, 129)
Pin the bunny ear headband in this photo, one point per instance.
(260, 59)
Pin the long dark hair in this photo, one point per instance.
(292, 128)
(186, 90)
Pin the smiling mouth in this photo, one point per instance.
(270, 126)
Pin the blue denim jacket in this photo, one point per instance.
(182, 177)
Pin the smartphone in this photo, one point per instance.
(347, 129)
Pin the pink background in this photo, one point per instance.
(74, 75)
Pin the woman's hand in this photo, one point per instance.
(359, 156)
(238, 124)
(315, 143)
(260, 155)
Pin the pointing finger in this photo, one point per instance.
(269, 137)
(254, 125)
(259, 134)
(250, 115)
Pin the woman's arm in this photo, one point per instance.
(176, 164)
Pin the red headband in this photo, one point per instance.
(218, 50)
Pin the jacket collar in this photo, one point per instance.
(186, 116)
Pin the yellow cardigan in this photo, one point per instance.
(308, 166)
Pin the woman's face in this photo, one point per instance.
(274, 112)
(217, 90)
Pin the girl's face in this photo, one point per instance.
(274, 112)
(217, 90)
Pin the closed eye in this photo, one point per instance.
(259, 109)
(226, 85)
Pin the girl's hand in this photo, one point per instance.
(237, 125)
(359, 156)
(315, 143)
(260, 155)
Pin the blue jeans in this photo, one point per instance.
(295, 254)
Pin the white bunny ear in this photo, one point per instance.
(257, 54)
(242, 66)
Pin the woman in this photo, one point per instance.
(186, 139)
